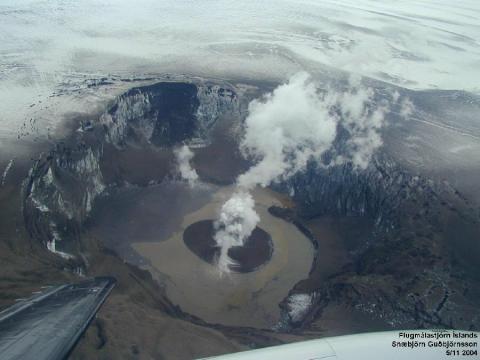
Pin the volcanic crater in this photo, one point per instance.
(293, 251)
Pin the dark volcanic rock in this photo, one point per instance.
(256, 251)
(163, 113)
(405, 274)
(167, 113)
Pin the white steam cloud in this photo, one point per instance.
(284, 130)
(294, 124)
(363, 119)
(184, 155)
(236, 222)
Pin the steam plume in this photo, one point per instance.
(183, 156)
(236, 222)
(297, 123)
(284, 130)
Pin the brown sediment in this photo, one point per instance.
(236, 299)
(221, 161)
(135, 165)
(257, 250)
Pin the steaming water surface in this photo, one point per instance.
(152, 221)
(234, 299)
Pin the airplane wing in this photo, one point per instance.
(390, 345)
(48, 325)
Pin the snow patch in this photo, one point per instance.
(43, 208)
(298, 306)
(51, 245)
(5, 172)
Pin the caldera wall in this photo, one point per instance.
(395, 275)
(143, 124)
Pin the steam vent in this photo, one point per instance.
(256, 251)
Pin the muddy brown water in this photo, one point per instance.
(249, 299)
(146, 227)
(144, 214)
